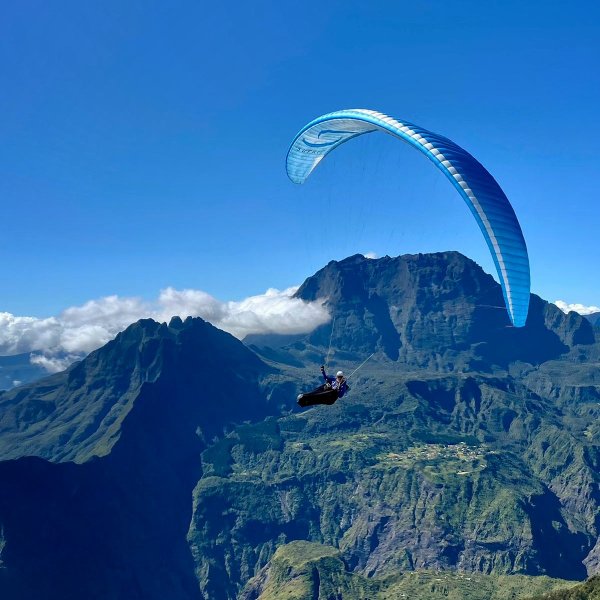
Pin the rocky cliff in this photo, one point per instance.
(175, 463)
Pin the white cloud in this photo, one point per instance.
(55, 342)
(183, 303)
(578, 308)
(273, 312)
(370, 255)
(54, 364)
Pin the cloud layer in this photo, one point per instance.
(57, 341)
(578, 308)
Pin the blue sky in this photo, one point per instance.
(143, 143)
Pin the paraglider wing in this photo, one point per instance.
(486, 200)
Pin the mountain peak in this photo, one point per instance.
(79, 413)
(166, 427)
(434, 310)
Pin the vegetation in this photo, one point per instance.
(590, 590)
(303, 571)
(174, 462)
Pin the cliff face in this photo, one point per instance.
(173, 462)
(435, 473)
(464, 443)
(435, 311)
(301, 571)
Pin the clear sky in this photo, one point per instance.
(143, 143)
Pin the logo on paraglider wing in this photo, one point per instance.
(344, 135)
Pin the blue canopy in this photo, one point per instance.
(486, 200)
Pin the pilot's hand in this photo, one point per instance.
(322, 369)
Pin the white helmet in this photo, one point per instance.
(339, 374)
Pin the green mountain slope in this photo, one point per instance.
(174, 462)
(436, 476)
(107, 517)
(436, 461)
(303, 571)
(590, 590)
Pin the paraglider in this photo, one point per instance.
(333, 389)
(484, 197)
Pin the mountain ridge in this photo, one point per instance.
(55, 515)
(462, 445)
(463, 307)
(305, 570)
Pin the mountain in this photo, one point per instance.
(99, 503)
(303, 570)
(436, 310)
(587, 591)
(175, 463)
(594, 319)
